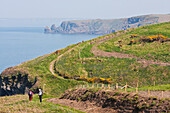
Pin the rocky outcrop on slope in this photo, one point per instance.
(14, 81)
(100, 26)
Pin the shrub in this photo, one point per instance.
(153, 38)
(133, 36)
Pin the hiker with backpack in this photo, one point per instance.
(40, 95)
(30, 94)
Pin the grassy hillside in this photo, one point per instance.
(39, 67)
(151, 51)
(20, 104)
(81, 62)
(78, 62)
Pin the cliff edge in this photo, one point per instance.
(99, 26)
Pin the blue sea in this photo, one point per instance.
(22, 43)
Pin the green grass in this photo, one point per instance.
(85, 53)
(120, 70)
(20, 103)
(152, 51)
(40, 67)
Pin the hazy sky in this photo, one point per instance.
(81, 8)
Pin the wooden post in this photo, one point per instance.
(44, 88)
(102, 86)
(92, 85)
(97, 86)
(148, 92)
(136, 89)
(126, 87)
(108, 86)
(116, 85)
(154, 83)
(162, 94)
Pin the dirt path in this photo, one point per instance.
(145, 62)
(84, 106)
(51, 67)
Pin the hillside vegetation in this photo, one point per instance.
(82, 62)
(119, 101)
(20, 104)
(146, 50)
(39, 68)
(80, 65)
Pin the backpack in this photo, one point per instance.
(30, 93)
(40, 93)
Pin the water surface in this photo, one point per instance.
(19, 44)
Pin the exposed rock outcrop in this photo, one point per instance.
(100, 26)
(14, 81)
(47, 30)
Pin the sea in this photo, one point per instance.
(24, 39)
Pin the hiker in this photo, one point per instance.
(30, 94)
(40, 95)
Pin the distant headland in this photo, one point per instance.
(99, 26)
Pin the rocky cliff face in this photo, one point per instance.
(15, 82)
(99, 26)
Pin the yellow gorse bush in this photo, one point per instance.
(96, 80)
(153, 38)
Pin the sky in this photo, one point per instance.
(92, 9)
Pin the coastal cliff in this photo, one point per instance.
(99, 26)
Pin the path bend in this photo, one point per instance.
(95, 50)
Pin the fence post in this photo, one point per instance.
(154, 83)
(97, 86)
(116, 85)
(125, 86)
(108, 86)
(137, 87)
(148, 92)
(44, 87)
(162, 94)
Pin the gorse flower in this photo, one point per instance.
(153, 38)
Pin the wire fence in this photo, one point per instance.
(147, 92)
